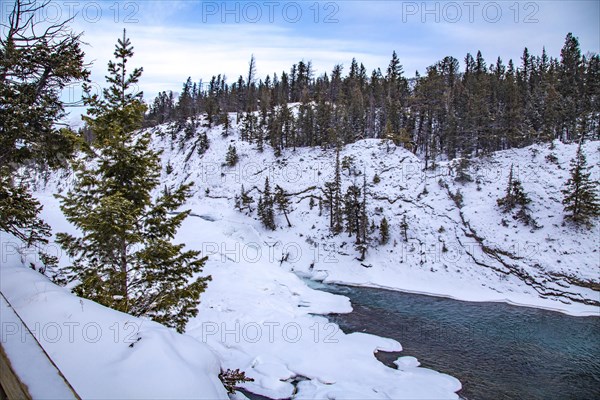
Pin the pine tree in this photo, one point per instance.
(352, 211)
(231, 159)
(384, 230)
(260, 208)
(19, 213)
(320, 206)
(404, 227)
(36, 63)
(516, 197)
(362, 245)
(226, 125)
(333, 199)
(265, 207)
(462, 168)
(569, 83)
(184, 104)
(328, 199)
(260, 142)
(283, 203)
(125, 258)
(581, 199)
(202, 144)
(246, 201)
(515, 194)
(337, 196)
(248, 129)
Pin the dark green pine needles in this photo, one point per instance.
(125, 258)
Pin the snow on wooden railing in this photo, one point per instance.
(26, 370)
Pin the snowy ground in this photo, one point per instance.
(102, 353)
(257, 315)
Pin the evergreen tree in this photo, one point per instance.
(36, 63)
(515, 194)
(362, 244)
(19, 212)
(516, 197)
(404, 228)
(260, 208)
(462, 173)
(185, 103)
(283, 204)
(352, 211)
(231, 159)
(328, 192)
(249, 127)
(226, 125)
(265, 207)
(337, 195)
(260, 142)
(384, 230)
(333, 198)
(202, 144)
(581, 199)
(125, 258)
(569, 83)
(444, 113)
(244, 201)
(320, 206)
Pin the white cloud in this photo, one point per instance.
(170, 55)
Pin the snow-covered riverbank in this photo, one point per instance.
(255, 316)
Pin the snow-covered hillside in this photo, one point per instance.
(474, 252)
(259, 316)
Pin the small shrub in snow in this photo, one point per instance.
(457, 198)
(551, 158)
(231, 378)
(384, 230)
(231, 159)
(462, 176)
(516, 197)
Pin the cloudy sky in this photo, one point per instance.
(177, 39)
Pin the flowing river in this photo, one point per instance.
(497, 351)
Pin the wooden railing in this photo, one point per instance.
(26, 370)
